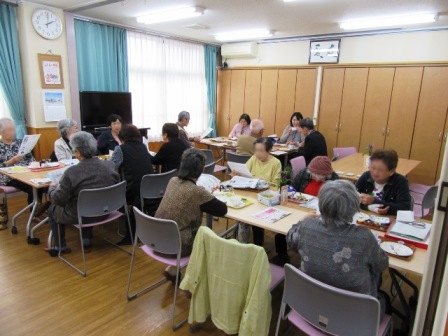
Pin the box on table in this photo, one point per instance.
(269, 198)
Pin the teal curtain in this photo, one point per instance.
(210, 77)
(102, 56)
(10, 69)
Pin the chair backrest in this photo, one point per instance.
(341, 152)
(210, 168)
(209, 158)
(153, 186)
(101, 201)
(331, 309)
(412, 203)
(161, 235)
(238, 158)
(430, 198)
(297, 165)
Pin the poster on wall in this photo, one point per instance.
(54, 106)
(50, 67)
(324, 51)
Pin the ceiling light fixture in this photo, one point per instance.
(395, 21)
(171, 15)
(244, 35)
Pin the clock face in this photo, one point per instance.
(47, 24)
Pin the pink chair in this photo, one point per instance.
(297, 165)
(209, 159)
(421, 210)
(158, 235)
(342, 152)
(7, 190)
(320, 309)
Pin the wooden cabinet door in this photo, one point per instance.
(286, 89)
(442, 150)
(223, 102)
(252, 93)
(330, 106)
(429, 124)
(237, 86)
(376, 108)
(268, 99)
(403, 108)
(352, 107)
(305, 92)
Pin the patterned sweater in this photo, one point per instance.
(347, 257)
(7, 152)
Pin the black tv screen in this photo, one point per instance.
(96, 106)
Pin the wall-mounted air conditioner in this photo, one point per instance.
(239, 50)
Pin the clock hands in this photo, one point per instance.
(49, 23)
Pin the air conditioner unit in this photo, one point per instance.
(239, 50)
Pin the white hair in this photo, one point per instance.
(84, 143)
(4, 122)
(64, 126)
(256, 126)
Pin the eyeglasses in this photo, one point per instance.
(418, 225)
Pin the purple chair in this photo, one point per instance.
(98, 207)
(342, 152)
(7, 190)
(209, 159)
(320, 309)
(297, 165)
(158, 235)
(421, 210)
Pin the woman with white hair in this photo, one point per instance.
(62, 149)
(335, 251)
(9, 156)
(89, 173)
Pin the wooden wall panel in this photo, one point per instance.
(429, 124)
(305, 91)
(268, 99)
(352, 107)
(286, 90)
(237, 86)
(45, 145)
(442, 150)
(330, 105)
(223, 101)
(376, 108)
(252, 93)
(403, 108)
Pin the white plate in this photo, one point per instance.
(361, 216)
(380, 220)
(397, 249)
(52, 164)
(340, 173)
(306, 196)
(350, 174)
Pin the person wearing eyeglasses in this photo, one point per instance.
(382, 189)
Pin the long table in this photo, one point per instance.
(355, 165)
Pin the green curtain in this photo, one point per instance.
(102, 55)
(10, 68)
(210, 77)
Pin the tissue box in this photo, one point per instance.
(269, 198)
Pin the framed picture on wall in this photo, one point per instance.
(324, 51)
(50, 67)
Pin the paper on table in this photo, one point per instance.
(240, 168)
(40, 180)
(56, 175)
(239, 182)
(69, 162)
(407, 216)
(278, 152)
(271, 215)
(208, 182)
(28, 143)
(206, 132)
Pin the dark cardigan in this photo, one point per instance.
(303, 178)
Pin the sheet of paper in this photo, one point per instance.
(240, 168)
(239, 182)
(206, 132)
(56, 175)
(28, 143)
(208, 182)
(54, 106)
(145, 141)
(271, 215)
(410, 231)
(278, 152)
(407, 216)
(69, 162)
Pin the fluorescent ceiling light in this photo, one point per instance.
(171, 15)
(389, 21)
(244, 35)
(290, 0)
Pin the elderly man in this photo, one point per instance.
(314, 144)
(245, 143)
(66, 128)
(89, 173)
(183, 120)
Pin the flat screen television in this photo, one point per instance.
(96, 106)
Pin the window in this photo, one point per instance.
(166, 76)
(4, 110)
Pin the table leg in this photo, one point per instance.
(17, 215)
(286, 160)
(35, 203)
(209, 221)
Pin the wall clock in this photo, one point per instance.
(47, 24)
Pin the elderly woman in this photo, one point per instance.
(184, 202)
(292, 134)
(62, 148)
(261, 165)
(134, 161)
(109, 139)
(170, 153)
(9, 156)
(309, 181)
(382, 189)
(242, 128)
(183, 120)
(334, 251)
(89, 173)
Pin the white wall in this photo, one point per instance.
(32, 44)
(392, 48)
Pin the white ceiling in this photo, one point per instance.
(299, 18)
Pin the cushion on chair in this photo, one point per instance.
(303, 325)
(104, 220)
(384, 325)
(219, 168)
(277, 274)
(418, 188)
(167, 261)
(8, 189)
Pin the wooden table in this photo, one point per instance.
(26, 177)
(356, 164)
(415, 265)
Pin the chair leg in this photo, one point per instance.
(83, 273)
(280, 318)
(118, 246)
(176, 285)
(49, 239)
